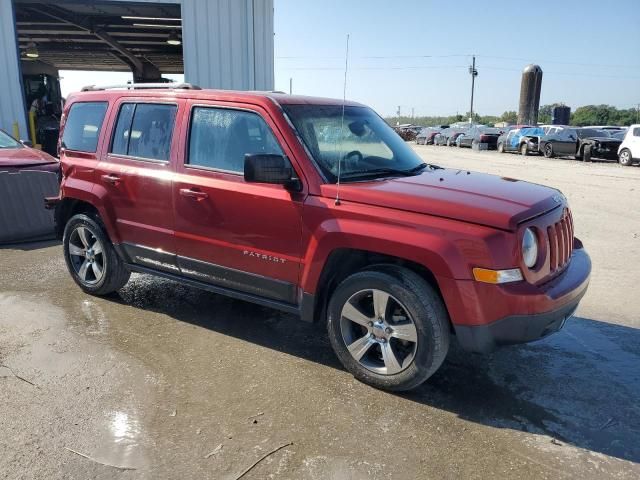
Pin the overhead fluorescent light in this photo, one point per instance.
(155, 25)
(32, 50)
(155, 19)
(173, 38)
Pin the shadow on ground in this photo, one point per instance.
(580, 386)
(31, 245)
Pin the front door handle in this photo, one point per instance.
(191, 193)
(111, 178)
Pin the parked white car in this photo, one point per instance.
(629, 150)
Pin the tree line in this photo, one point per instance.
(586, 115)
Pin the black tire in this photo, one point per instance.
(548, 150)
(114, 272)
(425, 310)
(524, 149)
(625, 157)
(500, 147)
(586, 153)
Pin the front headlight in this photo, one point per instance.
(529, 248)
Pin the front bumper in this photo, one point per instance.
(527, 312)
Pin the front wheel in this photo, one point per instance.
(586, 153)
(388, 327)
(90, 257)
(524, 149)
(548, 150)
(501, 147)
(625, 158)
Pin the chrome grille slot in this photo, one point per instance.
(560, 242)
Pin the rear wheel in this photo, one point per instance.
(524, 149)
(91, 259)
(625, 158)
(548, 150)
(388, 327)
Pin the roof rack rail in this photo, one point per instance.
(136, 86)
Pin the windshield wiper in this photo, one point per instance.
(385, 171)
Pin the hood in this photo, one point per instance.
(24, 157)
(604, 139)
(478, 198)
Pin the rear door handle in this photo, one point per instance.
(111, 178)
(191, 193)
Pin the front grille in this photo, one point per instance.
(560, 242)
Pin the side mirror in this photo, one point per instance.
(270, 168)
(26, 143)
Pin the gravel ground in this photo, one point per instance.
(165, 381)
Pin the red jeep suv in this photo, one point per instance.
(318, 208)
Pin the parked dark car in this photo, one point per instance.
(581, 143)
(426, 135)
(451, 141)
(15, 156)
(486, 135)
(524, 140)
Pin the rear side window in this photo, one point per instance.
(636, 132)
(220, 138)
(144, 130)
(82, 128)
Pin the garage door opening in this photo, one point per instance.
(132, 41)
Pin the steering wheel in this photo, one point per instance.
(353, 164)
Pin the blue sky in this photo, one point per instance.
(416, 53)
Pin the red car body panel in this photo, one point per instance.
(15, 159)
(447, 221)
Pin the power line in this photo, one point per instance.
(469, 55)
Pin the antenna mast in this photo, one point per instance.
(344, 100)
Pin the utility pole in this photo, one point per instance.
(290, 86)
(412, 113)
(638, 113)
(398, 123)
(474, 74)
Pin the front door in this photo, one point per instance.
(230, 233)
(135, 176)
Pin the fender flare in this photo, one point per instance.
(421, 247)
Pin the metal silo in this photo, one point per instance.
(561, 115)
(530, 95)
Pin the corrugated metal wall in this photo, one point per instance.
(12, 107)
(228, 43)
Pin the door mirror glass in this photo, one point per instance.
(269, 168)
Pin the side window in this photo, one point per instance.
(82, 128)
(144, 130)
(120, 142)
(636, 132)
(220, 138)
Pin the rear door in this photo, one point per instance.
(230, 233)
(135, 180)
(634, 142)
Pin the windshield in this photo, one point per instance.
(367, 146)
(7, 141)
(591, 132)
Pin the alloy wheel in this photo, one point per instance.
(625, 157)
(378, 332)
(87, 255)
